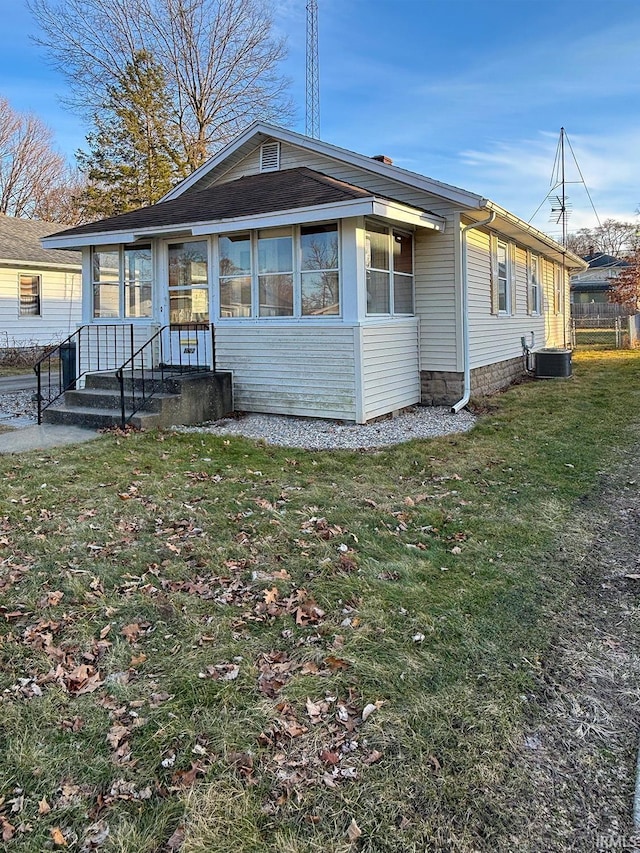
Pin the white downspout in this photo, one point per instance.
(465, 312)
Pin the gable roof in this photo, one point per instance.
(477, 205)
(259, 132)
(249, 196)
(20, 243)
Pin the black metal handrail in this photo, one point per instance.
(158, 359)
(89, 349)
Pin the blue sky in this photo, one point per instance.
(470, 92)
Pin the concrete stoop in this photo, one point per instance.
(177, 400)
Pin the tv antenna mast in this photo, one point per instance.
(560, 204)
(312, 120)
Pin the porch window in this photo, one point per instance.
(188, 282)
(503, 279)
(122, 281)
(275, 272)
(235, 275)
(137, 281)
(319, 270)
(30, 293)
(280, 272)
(389, 269)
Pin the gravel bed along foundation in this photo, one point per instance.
(317, 434)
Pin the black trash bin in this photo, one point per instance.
(68, 362)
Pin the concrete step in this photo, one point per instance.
(91, 417)
(151, 381)
(180, 400)
(105, 398)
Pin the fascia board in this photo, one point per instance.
(80, 240)
(341, 210)
(408, 215)
(50, 265)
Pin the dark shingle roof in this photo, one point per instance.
(252, 195)
(20, 241)
(599, 259)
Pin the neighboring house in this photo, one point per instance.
(591, 286)
(40, 289)
(338, 285)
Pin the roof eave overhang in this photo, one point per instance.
(371, 206)
(512, 226)
(50, 265)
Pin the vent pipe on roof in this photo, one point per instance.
(382, 158)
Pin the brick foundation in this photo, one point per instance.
(444, 388)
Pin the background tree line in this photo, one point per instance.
(162, 85)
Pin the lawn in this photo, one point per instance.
(209, 644)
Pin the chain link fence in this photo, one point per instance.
(602, 332)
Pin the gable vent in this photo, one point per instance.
(269, 156)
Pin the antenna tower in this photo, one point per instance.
(312, 122)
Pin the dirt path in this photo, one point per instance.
(574, 775)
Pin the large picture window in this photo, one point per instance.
(280, 272)
(122, 281)
(389, 270)
(30, 295)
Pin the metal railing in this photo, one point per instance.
(176, 349)
(89, 349)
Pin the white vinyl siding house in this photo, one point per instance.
(339, 285)
(40, 290)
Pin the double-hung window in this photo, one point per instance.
(122, 281)
(558, 288)
(535, 291)
(30, 295)
(280, 272)
(502, 261)
(275, 272)
(389, 270)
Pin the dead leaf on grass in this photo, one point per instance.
(57, 837)
(353, 832)
(177, 839)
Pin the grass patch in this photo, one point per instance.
(209, 644)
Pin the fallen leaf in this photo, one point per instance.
(370, 708)
(8, 829)
(43, 806)
(353, 832)
(177, 840)
(58, 837)
(131, 632)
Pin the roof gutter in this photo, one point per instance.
(462, 402)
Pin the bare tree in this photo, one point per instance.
(219, 58)
(63, 202)
(612, 237)
(30, 168)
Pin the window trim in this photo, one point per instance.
(38, 278)
(391, 230)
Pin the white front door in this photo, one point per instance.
(186, 340)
